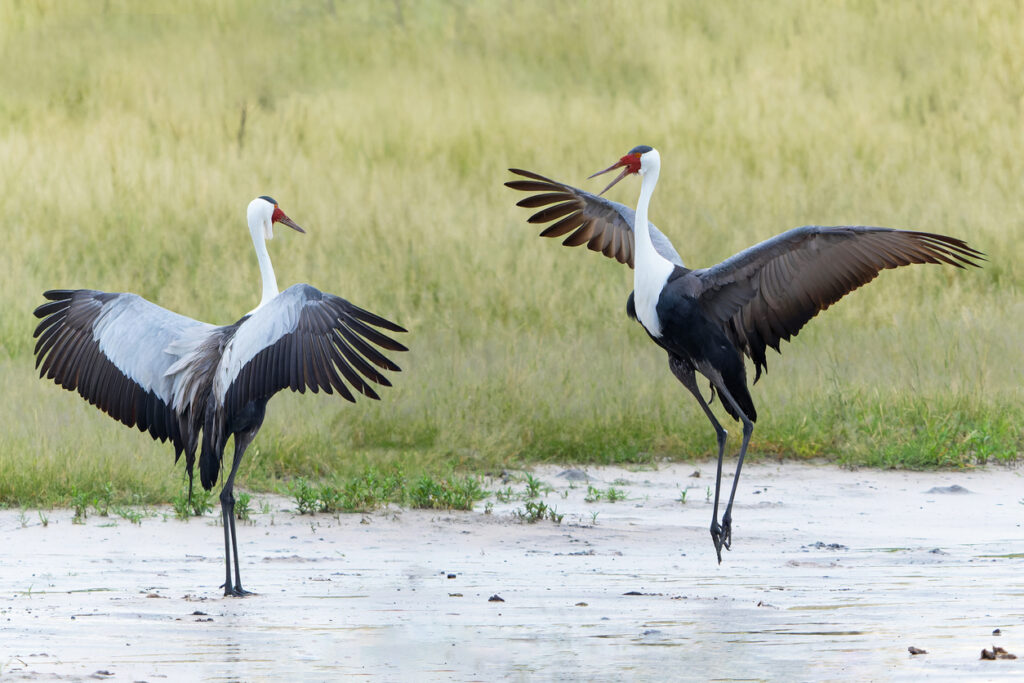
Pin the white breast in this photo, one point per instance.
(648, 281)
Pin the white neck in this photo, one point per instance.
(644, 247)
(650, 269)
(259, 215)
(266, 270)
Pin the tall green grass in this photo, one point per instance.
(385, 129)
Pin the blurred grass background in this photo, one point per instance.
(132, 136)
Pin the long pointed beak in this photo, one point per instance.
(290, 223)
(617, 164)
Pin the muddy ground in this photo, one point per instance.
(833, 575)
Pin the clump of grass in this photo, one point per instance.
(450, 493)
(243, 507)
(534, 487)
(537, 510)
(371, 490)
(131, 514)
(80, 504)
(360, 493)
(101, 501)
(200, 504)
(374, 488)
(505, 495)
(612, 494)
(307, 498)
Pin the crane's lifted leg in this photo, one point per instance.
(748, 429)
(227, 508)
(684, 372)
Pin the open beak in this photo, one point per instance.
(289, 222)
(617, 164)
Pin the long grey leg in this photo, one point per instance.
(684, 372)
(748, 429)
(227, 508)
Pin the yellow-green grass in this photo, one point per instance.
(385, 129)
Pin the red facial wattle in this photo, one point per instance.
(279, 217)
(630, 164)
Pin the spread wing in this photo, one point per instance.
(305, 338)
(601, 224)
(768, 292)
(112, 349)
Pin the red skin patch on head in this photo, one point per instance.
(278, 214)
(632, 162)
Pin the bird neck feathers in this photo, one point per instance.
(266, 270)
(650, 269)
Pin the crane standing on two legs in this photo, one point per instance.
(706, 319)
(176, 377)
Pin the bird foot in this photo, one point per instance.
(235, 592)
(721, 536)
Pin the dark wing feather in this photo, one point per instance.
(768, 292)
(111, 349)
(601, 224)
(305, 338)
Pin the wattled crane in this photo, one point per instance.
(178, 378)
(709, 318)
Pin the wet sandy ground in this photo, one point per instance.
(833, 575)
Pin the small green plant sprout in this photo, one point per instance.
(79, 503)
(23, 517)
(305, 496)
(101, 502)
(707, 494)
(682, 496)
(131, 514)
(371, 490)
(534, 487)
(452, 493)
(243, 507)
(43, 519)
(181, 506)
(329, 498)
(593, 517)
(201, 503)
(614, 495)
(504, 495)
(536, 510)
(265, 508)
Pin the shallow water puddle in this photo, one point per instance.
(842, 597)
